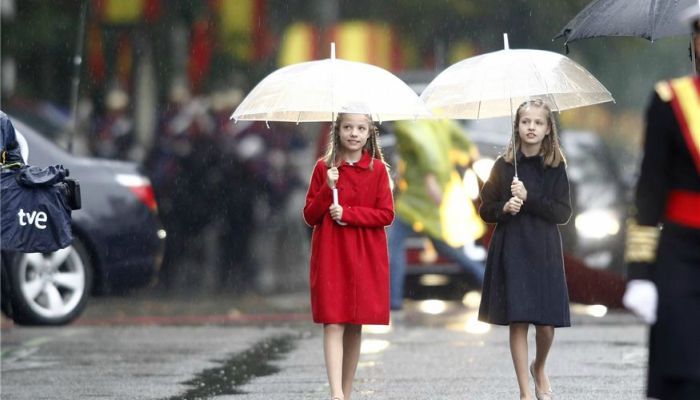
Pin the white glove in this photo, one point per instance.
(642, 298)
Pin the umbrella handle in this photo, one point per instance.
(515, 178)
(335, 201)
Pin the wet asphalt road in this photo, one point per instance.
(266, 347)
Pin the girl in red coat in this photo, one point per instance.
(349, 256)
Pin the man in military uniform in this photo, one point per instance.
(664, 264)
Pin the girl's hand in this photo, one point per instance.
(336, 212)
(517, 189)
(333, 176)
(513, 205)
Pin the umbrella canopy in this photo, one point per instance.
(490, 85)
(317, 91)
(648, 19)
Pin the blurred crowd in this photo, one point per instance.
(218, 184)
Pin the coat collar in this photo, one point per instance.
(364, 162)
(522, 158)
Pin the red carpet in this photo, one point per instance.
(592, 286)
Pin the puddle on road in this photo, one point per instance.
(239, 369)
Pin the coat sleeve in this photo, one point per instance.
(319, 198)
(382, 214)
(554, 207)
(7, 131)
(492, 198)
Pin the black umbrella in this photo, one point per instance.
(648, 19)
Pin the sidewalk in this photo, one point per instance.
(151, 307)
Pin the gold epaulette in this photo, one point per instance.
(641, 242)
(663, 89)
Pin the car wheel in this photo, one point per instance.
(50, 288)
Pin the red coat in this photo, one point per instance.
(350, 264)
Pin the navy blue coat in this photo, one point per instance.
(11, 152)
(7, 131)
(524, 280)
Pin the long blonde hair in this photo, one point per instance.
(334, 151)
(550, 151)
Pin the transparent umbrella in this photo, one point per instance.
(316, 91)
(491, 84)
(319, 90)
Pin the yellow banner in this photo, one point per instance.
(237, 19)
(297, 45)
(123, 11)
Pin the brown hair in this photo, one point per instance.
(334, 150)
(550, 151)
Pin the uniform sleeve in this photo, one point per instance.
(382, 214)
(652, 189)
(319, 197)
(555, 208)
(492, 198)
(653, 185)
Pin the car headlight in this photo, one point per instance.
(597, 224)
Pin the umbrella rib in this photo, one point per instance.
(481, 96)
(652, 11)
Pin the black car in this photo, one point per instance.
(600, 208)
(118, 240)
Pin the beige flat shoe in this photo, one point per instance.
(541, 395)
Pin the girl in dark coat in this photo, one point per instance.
(349, 256)
(524, 281)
